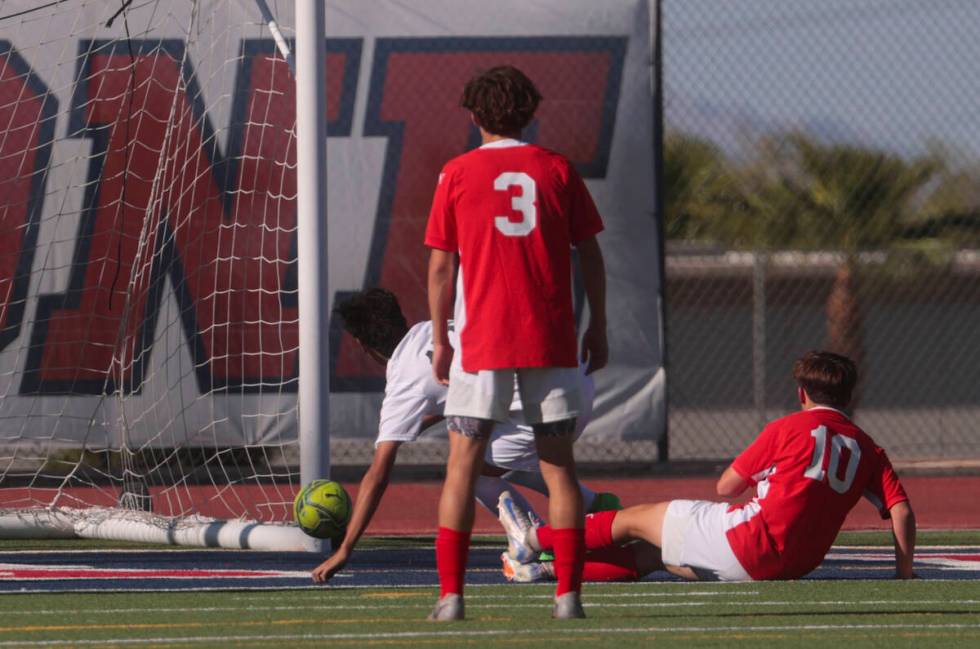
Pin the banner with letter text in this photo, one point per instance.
(148, 253)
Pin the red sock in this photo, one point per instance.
(614, 563)
(546, 539)
(452, 548)
(598, 530)
(569, 559)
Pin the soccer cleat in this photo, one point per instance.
(525, 573)
(534, 519)
(516, 525)
(447, 609)
(605, 502)
(568, 607)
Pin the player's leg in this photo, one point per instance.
(551, 400)
(602, 529)
(608, 528)
(554, 444)
(640, 522)
(467, 443)
(614, 563)
(535, 482)
(488, 491)
(473, 403)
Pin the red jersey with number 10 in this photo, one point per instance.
(512, 211)
(810, 469)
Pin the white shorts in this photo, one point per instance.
(547, 393)
(693, 536)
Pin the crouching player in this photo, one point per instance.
(414, 401)
(809, 469)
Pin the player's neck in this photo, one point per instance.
(496, 137)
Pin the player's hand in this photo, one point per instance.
(442, 359)
(595, 349)
(323, 572)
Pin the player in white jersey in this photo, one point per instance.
(414, 401)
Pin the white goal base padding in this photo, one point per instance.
(143, 527)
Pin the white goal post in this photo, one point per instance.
(162, 224)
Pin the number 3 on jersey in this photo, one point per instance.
(523, 203)
(837, 443)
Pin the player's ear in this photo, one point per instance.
(801, 394)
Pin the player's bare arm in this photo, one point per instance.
(731, 484)
(595, 347)
(373, 486)
(903, 529)
(442, 265)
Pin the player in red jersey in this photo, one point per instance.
(511, 211)
(809, 469)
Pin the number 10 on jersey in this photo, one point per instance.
(832, 474)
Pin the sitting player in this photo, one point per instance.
(809, 469)
(414, 401)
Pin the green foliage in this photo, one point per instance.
(795, 192)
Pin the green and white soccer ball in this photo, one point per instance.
(322, 509)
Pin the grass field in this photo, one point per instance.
(831, 613)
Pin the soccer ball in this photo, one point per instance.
(322, 509)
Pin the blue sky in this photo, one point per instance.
(896, 74)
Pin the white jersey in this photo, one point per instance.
(412, 393)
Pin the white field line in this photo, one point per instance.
(521, 604)
(263, 590)
(229, 552)
(321, 639)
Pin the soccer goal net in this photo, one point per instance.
(148, 278)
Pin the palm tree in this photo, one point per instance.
(697, 187)
(951, 215)
(849, 199)
(799, 193)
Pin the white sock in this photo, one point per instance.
(535, 482)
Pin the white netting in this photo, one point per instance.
(147, 258)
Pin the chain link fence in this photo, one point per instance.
(822, 190)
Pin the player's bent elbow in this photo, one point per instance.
(724, 491)
(730, 484)
(902, 512)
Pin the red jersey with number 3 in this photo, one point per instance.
(512, 211)
(810, 469)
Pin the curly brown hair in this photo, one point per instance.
(502, 100)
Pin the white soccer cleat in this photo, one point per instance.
(568, 607)
(448, 609)
(536, 521)
(516, 525)
(525, 573)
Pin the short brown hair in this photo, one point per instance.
(502, 99)
(828, 378)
